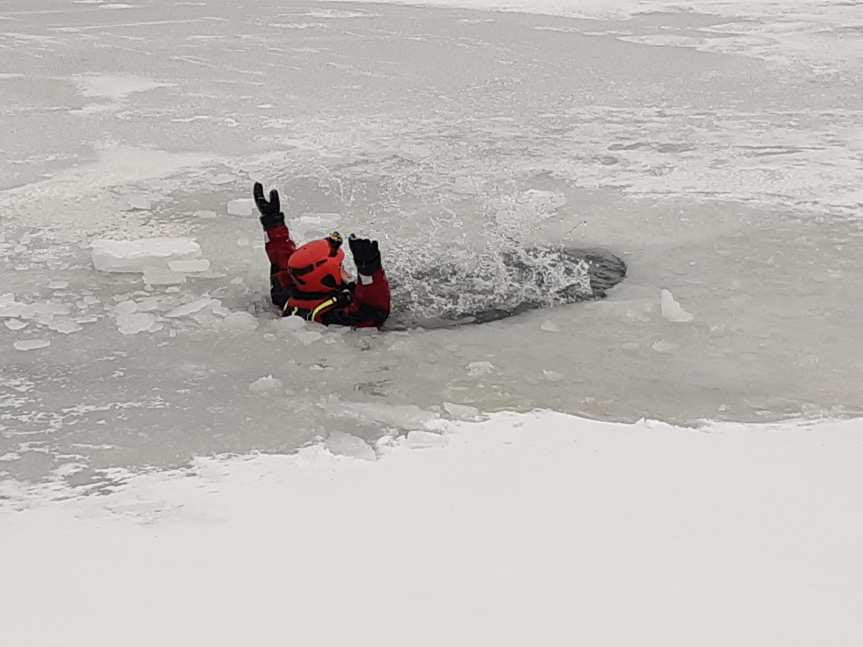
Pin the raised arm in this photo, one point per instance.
(279, 245)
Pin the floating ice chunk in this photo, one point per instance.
(139, 255)
(150, 304)
(424, 440)
(289, 324)
(549, 326)
(140, 203)
(407, 416)
(240, 207)
(242, 241)
(64, 325)
(553, 376)
(343, 444)
(15, 324)
(221, 178)
(134, 323)
(13, 309)
(31, 344)
(124, 308)
(308, 336)
(480, 368)
(190, 308)
(190, 265)
(158, 276)
(205, 213)
(239, 322)
(218, 309)
(663, 346)
(58, 285)
(671, 309)
(461, 411)
(266, 384)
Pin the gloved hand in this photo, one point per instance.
(367, 256)
(271, 214)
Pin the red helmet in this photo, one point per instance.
(316, 267)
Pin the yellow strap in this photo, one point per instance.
(329, 303)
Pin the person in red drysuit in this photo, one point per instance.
(308, 281)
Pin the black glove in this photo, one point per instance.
(271, 214)
(367, 256)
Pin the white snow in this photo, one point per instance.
(526, 529)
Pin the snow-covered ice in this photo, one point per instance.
(524, 529)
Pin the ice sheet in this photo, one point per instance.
(537, 528)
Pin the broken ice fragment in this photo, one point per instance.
(549, 326)
(342, 444)
(139, 203)
(157, 276)
(65, 326)
(240, 207)
(461, 411)
(424, 440)
(190, 308)
(480, 368)
(124, 308)
(221, 178)
(239, 322)
(190, 265)
(132, 324)
(266, 384)
(31, 344)
(671, 309)
(139, 255)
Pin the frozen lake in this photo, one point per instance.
(720, 159)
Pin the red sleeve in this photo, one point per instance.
(279, 247)
(369, 307)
